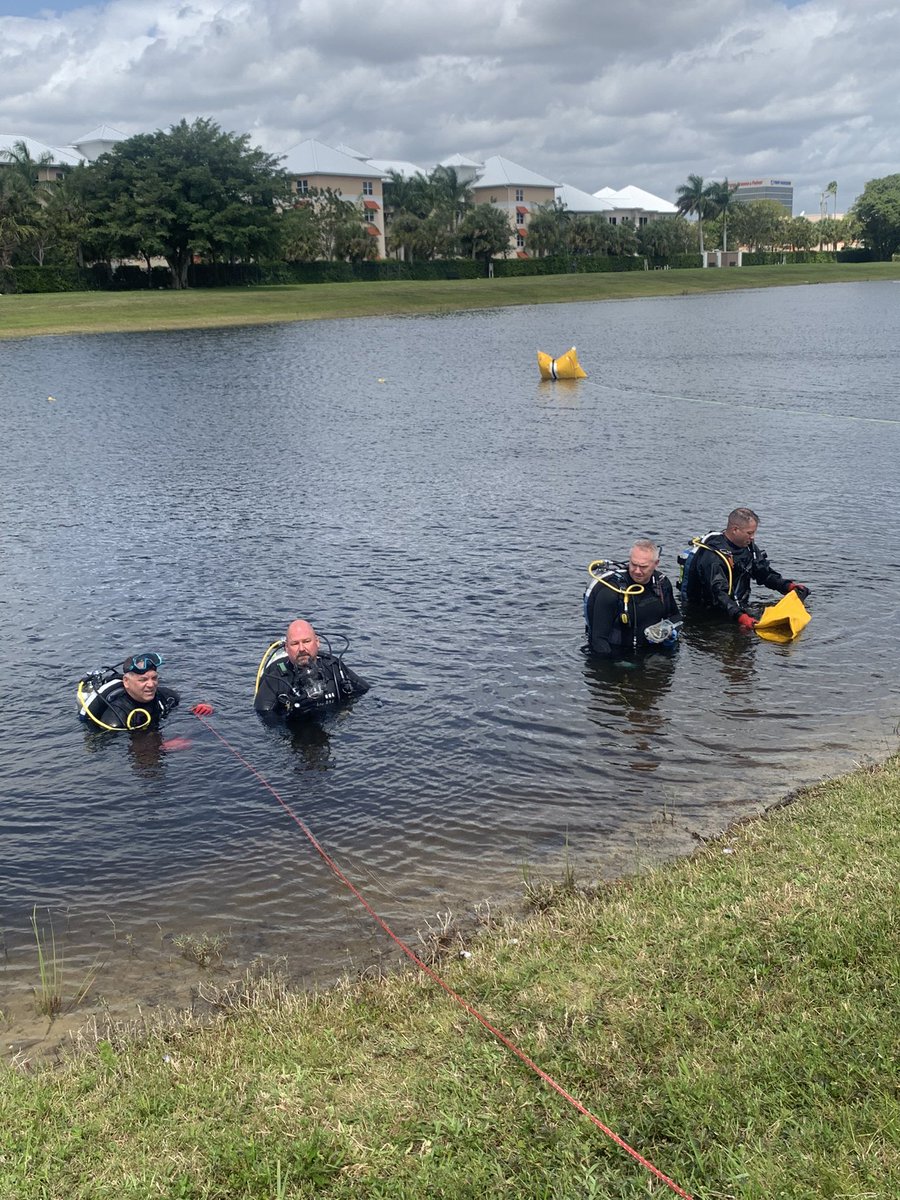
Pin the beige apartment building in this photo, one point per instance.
(515, 190)
(312, 164)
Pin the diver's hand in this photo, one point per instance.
(801, 591)
(746, 622)
(202, 710)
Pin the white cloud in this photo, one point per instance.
(642, 93)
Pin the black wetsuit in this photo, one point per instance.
(288, 690)
(111, 705)
(707, 579)
(609, 636)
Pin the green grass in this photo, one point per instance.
(99, 312)
(732, 1016)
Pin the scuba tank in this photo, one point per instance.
(686, 558)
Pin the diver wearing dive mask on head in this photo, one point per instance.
(297, 679)
(127, 697)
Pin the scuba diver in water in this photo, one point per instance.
(297, 679)
(129, 697)
(716, 571)
(630, 607)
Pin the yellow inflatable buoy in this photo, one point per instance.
(566, 366)
(782, 622)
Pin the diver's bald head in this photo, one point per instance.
(301, 642)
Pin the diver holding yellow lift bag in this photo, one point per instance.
(717, 570)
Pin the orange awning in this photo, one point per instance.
(520, 208)
(373, 230)
(521, 254)
(371, 205)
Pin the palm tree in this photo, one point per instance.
(722, 201)
(452, 196)
(694, 198)
(547, 228)
(831, 190)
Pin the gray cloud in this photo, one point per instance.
(643, 93)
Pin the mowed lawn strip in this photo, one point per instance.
(120, 312)
(733, 1016)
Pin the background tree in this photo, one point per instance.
(22, 194)
(695, 199)
(830, 190)
(591, 234)
(828, 233)
(548, 228)
(191, 190)
(64, 219)
(299, 234)
(451, 197)
(485, 232)
(18, 215)
(423, 213)
(721, 198)
(667, 236)
(877, 213)
(759, 224)
(800, 233)
(621, 239)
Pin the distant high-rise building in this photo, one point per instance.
(781, 190)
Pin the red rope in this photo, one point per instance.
(413, 957)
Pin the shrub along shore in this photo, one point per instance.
(24, 315)
(733, 1016)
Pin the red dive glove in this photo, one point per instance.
(746, 622)
(202, 710)
(801, 591)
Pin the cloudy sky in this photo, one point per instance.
(586, 92)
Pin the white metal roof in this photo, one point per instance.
(405, 170)
(315, 158)
(635, 197)
(577, 201)
(353, 153)
(501, 172)
(60, 158)
(460, 160)
(103, 133)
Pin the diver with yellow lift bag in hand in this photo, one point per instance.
(630, 607)
(717, 570)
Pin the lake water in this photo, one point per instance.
(412, 484)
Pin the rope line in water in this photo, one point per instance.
(772, 408)
(414, 958)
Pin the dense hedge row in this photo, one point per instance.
(133, 278)
(773, 258)
(565, 264)
(245, 274)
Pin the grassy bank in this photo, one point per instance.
(734, 1017)
(105, 312)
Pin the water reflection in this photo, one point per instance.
(629, 696)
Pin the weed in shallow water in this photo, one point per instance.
(203, 949)
(50, 999)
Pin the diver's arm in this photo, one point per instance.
(270, 688)
(357, 685)
(604, 611)
(670, 605)
(168, 699)
(713, 576)
(763, 572)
